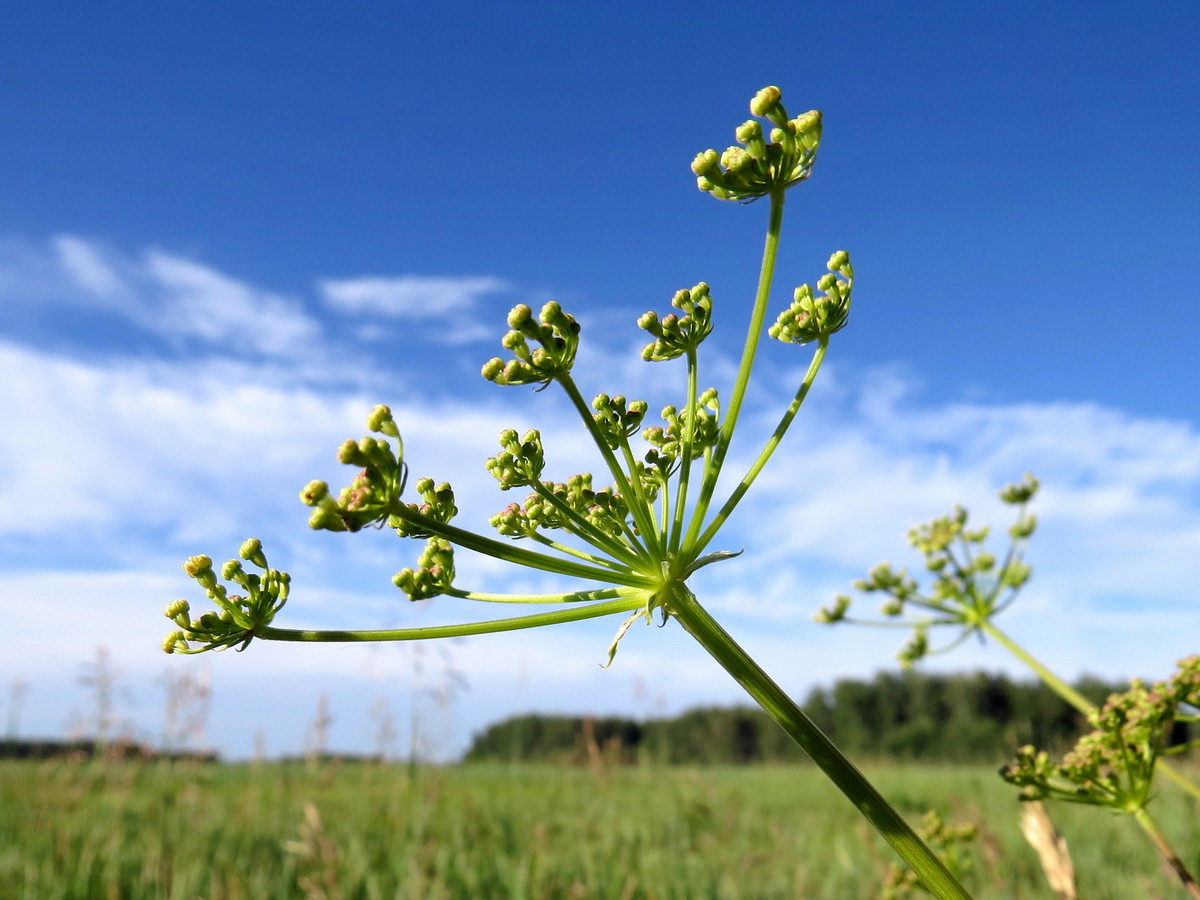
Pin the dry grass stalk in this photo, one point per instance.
(1051, 849)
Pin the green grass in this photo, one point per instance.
(133, 831)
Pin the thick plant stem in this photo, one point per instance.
(1073, 697)
(1168, 852)
(843, 773)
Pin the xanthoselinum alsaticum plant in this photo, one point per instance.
(635, 535)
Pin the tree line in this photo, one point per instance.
(910, 716)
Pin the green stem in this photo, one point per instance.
(776, 436)
(685, 461)
(849, 780)
(576, 597)
(628, 485)
(577, 553)
(1052, 681)
(1073, 697)
(1167, 852)
(519, 555)
(623, 604)
(757, 317)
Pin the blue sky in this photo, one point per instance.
(226, 232)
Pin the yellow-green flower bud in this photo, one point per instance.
(196, 565)
(519, 316)
(380, 420)
(350, 454)
(176, 609)
(764, 100)
(174, 641)
(251, 551)
(706, 163)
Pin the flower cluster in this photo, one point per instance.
(755, 167)
(240, 616)
(811, 318)
(676, 335)
(556, 332)
(374, 493)
(1113, 765)
(970, 586)
(635, 542)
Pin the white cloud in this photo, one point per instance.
(408, 296)
(159, 292)
(200, 302)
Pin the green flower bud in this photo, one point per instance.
(492, 368)
(326, 520)
(350, 454)
(706, 163)
(197, 565)
(519, 317)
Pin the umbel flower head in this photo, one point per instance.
(641, 535)
(757, 166)
(1113, 765)
(240, 615)
(969, 588)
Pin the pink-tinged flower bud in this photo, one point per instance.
(314, 492)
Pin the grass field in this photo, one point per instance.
(128, 831)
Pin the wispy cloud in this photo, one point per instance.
(85, 264)
(408, 296)
(200, 302)
(160, 293)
